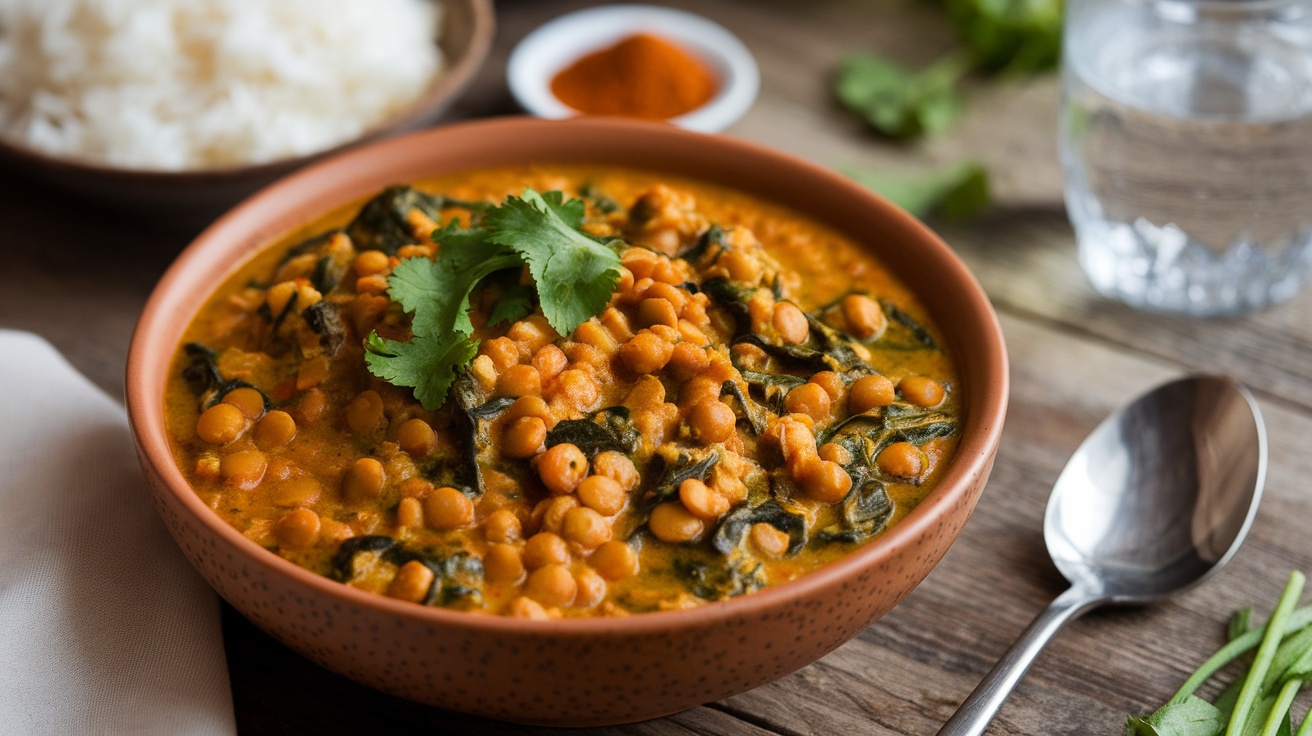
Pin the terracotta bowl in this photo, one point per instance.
(578, 671)
(184, 197)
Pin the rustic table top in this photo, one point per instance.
(80, 275)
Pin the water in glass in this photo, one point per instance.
(1186, 139)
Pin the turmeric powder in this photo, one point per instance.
(642, 76)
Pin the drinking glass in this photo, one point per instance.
(1186, 143)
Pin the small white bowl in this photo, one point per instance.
(560, 42)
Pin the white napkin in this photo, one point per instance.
(104, 626)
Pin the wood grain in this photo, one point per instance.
(79, 276)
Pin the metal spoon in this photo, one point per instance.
(1154, 501)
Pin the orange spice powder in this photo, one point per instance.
(642, 76)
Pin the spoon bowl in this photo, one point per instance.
(1160, 495)
(1155, 500)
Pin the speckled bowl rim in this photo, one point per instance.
(450, 81)
(151, 353)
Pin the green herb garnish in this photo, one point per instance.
(898, 102)
(955, 193)
(1010, 36)
(1259, 700)
(574, 276)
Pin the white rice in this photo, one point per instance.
(193, 84)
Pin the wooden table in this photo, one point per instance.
(80, 275)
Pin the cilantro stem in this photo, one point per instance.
(1274, 632)
(1235, 649)
(1281, 707)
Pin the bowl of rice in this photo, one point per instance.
(184, 107)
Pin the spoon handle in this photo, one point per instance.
(978, 710)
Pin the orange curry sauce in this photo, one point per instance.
(758, 409)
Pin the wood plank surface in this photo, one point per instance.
(79, 275)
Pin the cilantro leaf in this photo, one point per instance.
(427, 364)
(575, 274)
(1190, 717)
(900, 103)
(1010, 36)
(515, 302)
(957, 192)
(438, 291)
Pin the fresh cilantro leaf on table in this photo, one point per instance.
(957, 192)
(574, 277)
(1010, 36)
(898, 102)
(1192, 716)
(999, 36)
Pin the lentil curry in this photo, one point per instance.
(757, 399)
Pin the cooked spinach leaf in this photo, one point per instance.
(904, 332)
(837, 346)
(599, 201)
(473, 421)
(202, 371)
(325, 320)
(275, 320)
(791, 357)
(691, 463)
(917, 425)
(713, 581)
(897, 422)
(773, 387)
(825, 350)
(312, 244)
(382, 223)
(866, 510)
(457, 577)
(203, 378)
(901, 322)
(733, 297)
(328, 272)
(608, 429)
(491, 409)
(782, 381)
(714, 236)
(733, 528)
(343, 563)
(757, 416)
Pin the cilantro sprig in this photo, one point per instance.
(1259, 699)
(898, 102)
(573, 274)
(1013, 37)
(999, 37)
